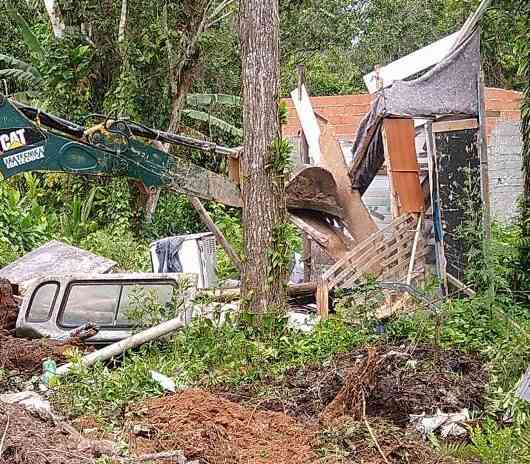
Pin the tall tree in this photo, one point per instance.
(264, 209)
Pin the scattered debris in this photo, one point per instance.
(347, 440)
(448, 424)
(215, 430)
(523, 391)
(30, 440)
(430, 378)
(165, 382)
(30, 401)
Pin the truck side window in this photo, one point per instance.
(42, 301)
(90, 303)
(138, 295)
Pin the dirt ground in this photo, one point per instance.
(406, 382)
(29, 440)
(8, 307)
(216, 430)
(26, 355)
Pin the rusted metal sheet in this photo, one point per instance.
(400, 151)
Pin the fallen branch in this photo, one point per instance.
(170, 455)
(4, 437)
(371, 432)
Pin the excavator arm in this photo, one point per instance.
(31, 140)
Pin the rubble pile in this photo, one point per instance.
(215, 430)
(30, 440)
(26, 355)
(397, 381)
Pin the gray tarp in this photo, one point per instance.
(450, 88)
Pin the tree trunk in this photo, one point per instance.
(263, 199)
(522, 275)
(56, 18)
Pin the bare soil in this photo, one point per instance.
(215, 430)
(27, 355)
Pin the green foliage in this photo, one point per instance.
(174, 216)
(203, 353)
(76, 223)
(494, 444)
(120, 245)
(229, 221)
(24, 223)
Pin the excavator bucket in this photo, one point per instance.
(313, 188)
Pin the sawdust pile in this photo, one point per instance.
(8, 306)
(215, 430)
(29, 440)
(26, 356)
(422, 379)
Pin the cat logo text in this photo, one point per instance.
(13, 140)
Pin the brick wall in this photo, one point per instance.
(504, 142)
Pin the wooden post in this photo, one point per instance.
(212, 227)
(414, 248)
(304, 158)
(483, 154)
(323, 298)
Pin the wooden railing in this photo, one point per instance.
(386, 255)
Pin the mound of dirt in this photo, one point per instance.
(29, 440)
(27, 355)
(404, 382)
(8, 306)
(215, 430)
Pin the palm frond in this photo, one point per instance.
(206, 99)
(29, 38)
(213, 121)
(20, 75)
(15, 63)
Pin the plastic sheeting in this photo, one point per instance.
(450, 88)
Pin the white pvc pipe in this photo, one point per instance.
(135, 340)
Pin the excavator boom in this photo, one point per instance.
(31, 140)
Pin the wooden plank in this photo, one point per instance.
(309, 123)
(323, 299)
(212, 227)
(414, 248)
(411, 64)
(357, 218)
(454, 125)
(233, 170)
(330, 238)
(400, 152)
